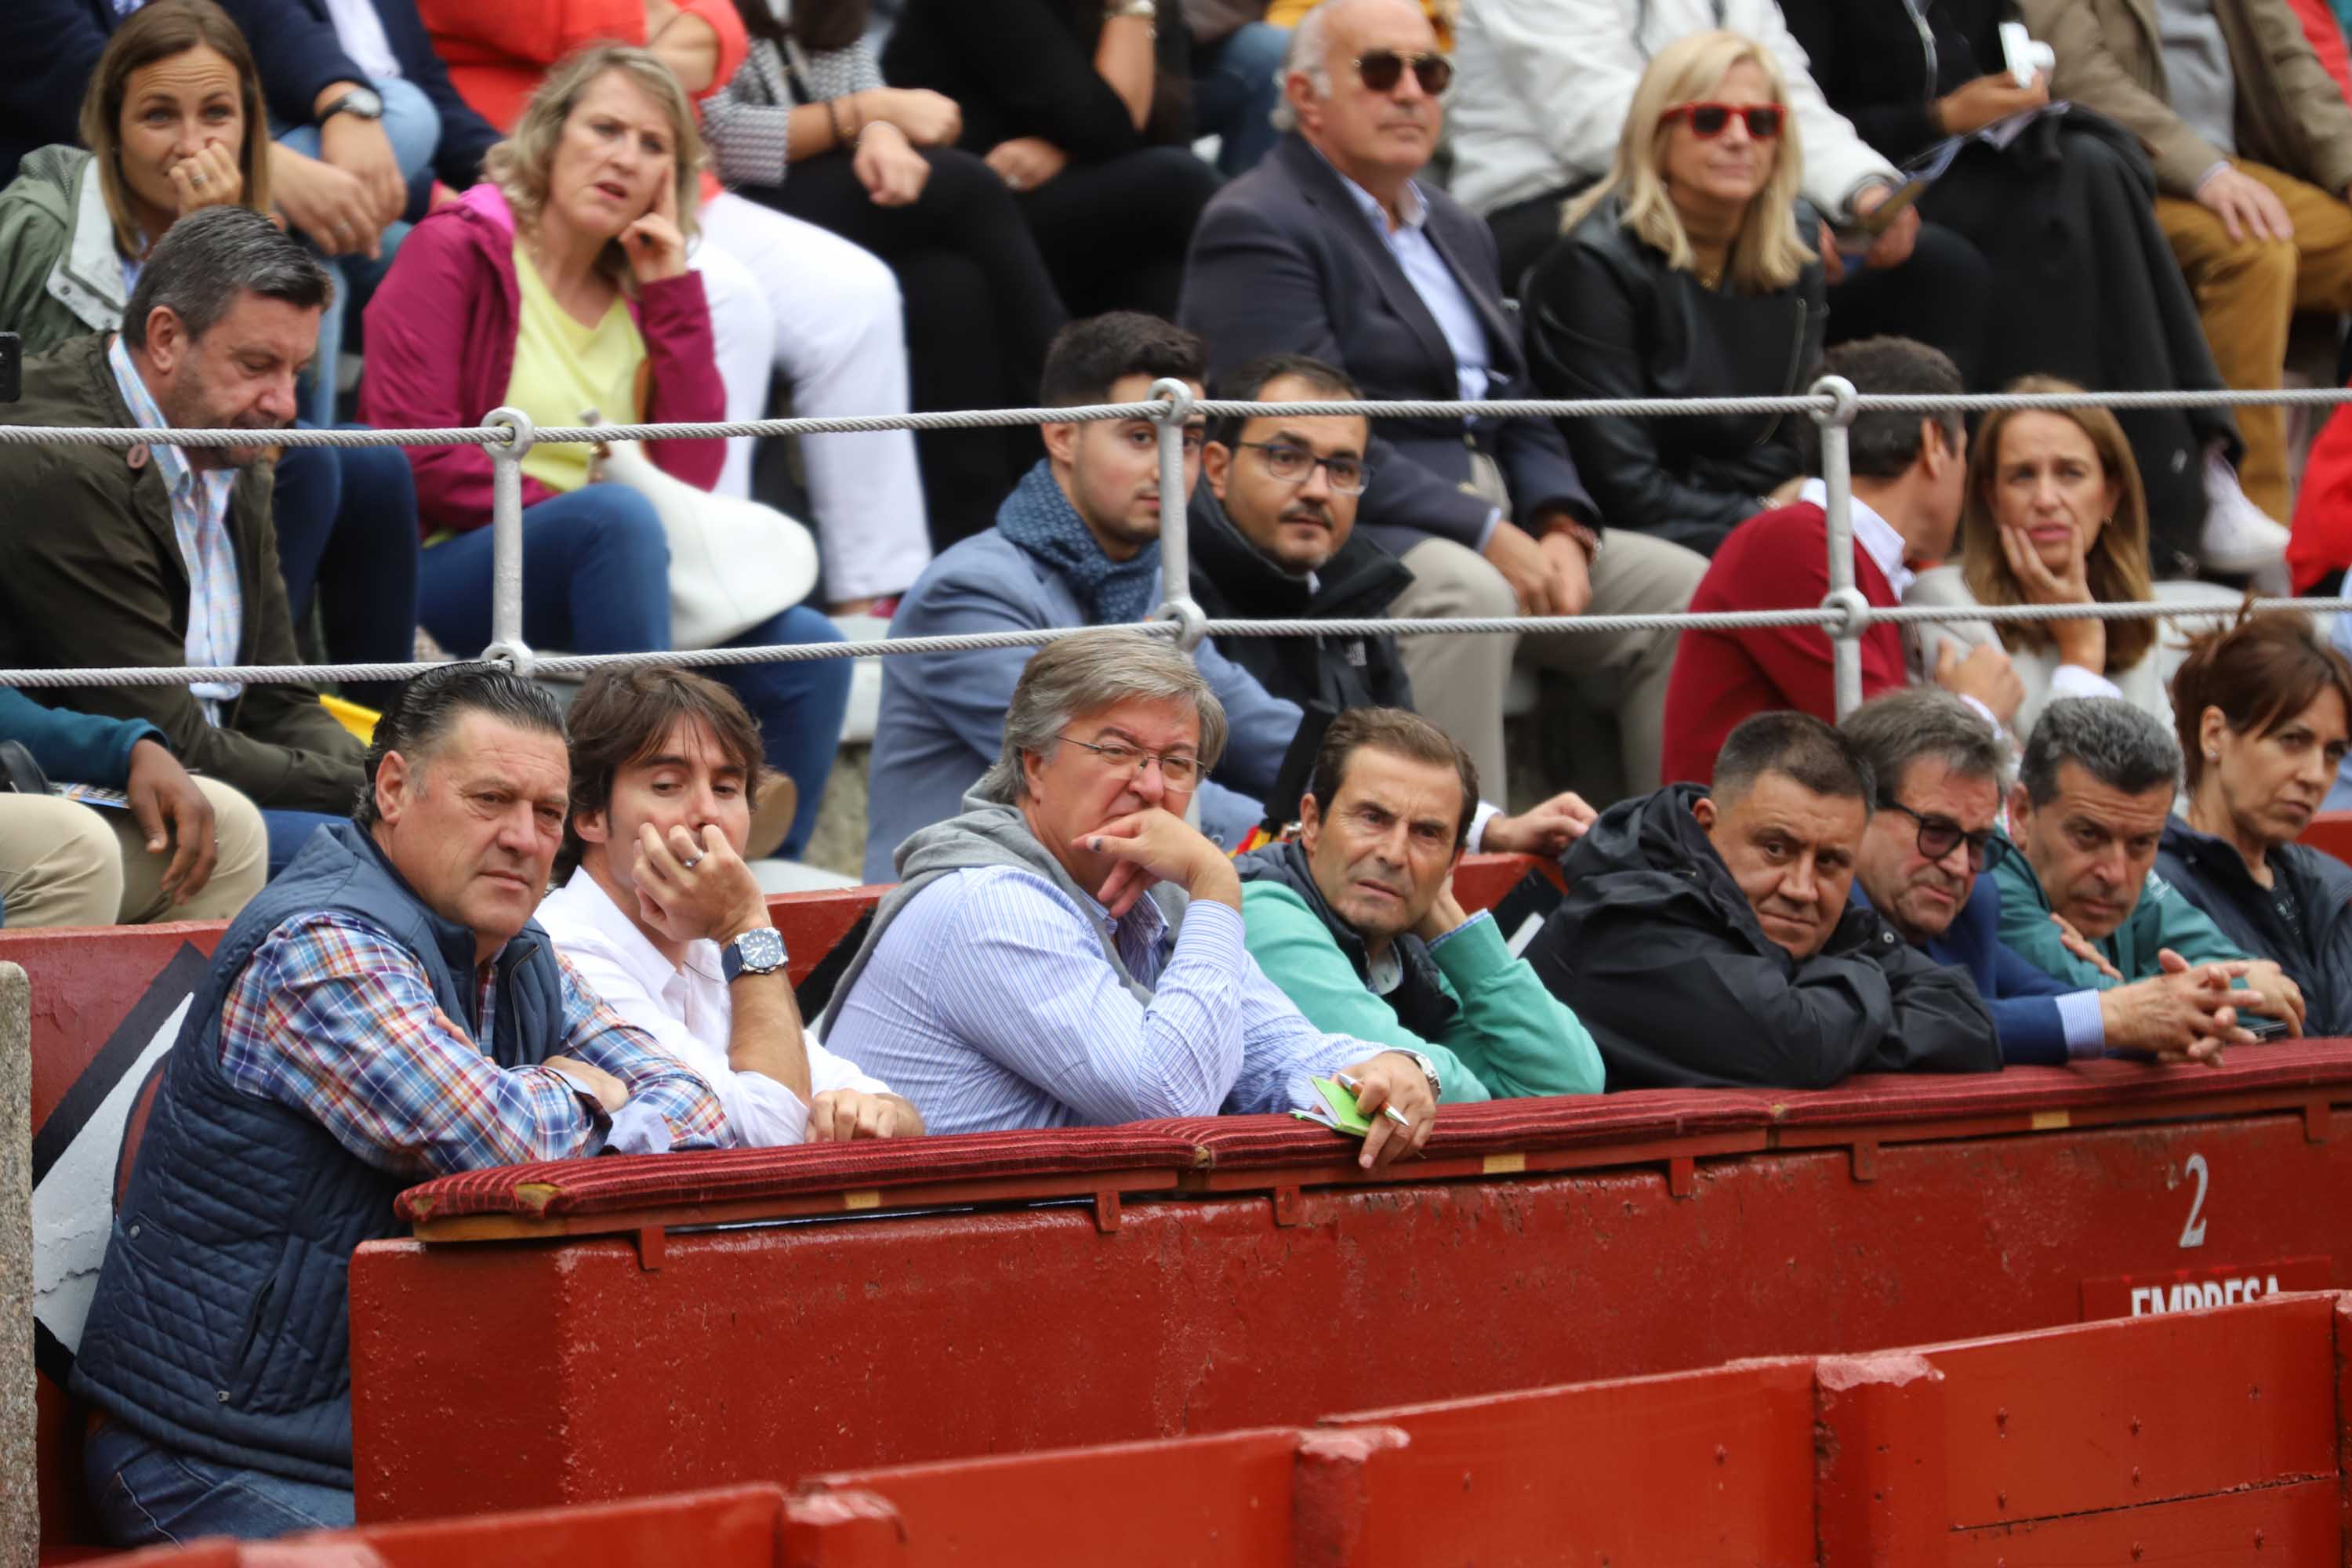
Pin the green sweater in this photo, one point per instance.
(2161, 919)
(1511, 1038)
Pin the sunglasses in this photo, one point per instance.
(1708, 120)
(1381, 69)
(1939, 835)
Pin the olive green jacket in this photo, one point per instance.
(60, 273)
(93, 576)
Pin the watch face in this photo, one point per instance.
(362, 102)
(762, 950)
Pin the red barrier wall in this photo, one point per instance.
(569, 1372)
(2208, 1438)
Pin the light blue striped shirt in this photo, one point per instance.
(989, 1004)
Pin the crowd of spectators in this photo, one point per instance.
(468, 929)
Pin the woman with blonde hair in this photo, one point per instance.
(1685, 274)
(2055, 513)
(558, 286)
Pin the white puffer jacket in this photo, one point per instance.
(1544, 86)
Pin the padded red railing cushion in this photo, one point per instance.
(628, 1182)
(1935, 1097)
(1494, 1126)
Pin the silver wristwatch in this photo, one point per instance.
(359, 103)
(1143, 10)
(759, 951)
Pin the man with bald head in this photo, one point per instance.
(1332, 247)
(1706, 938)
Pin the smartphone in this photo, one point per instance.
(12, 367)
(2262, 1027)
(1874, 222)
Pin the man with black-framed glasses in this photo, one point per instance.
(1927, 865)
(1337, 246)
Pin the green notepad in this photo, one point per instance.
(1341, 1115)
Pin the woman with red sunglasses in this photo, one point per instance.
(1685, 274)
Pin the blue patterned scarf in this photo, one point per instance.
(1040, 519)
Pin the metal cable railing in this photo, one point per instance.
(507, 435)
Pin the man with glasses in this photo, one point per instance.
(2081, 900)
(1332, 247)
(1076, 544)
(1273, 537)
(1069, 952)
(1926, 865)
(1707, 939)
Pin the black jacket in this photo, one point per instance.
(2065, 217)
(2314, 947)
(1657, 951)
(1284, 261)
(1026, 67)
(1608, 318)
(1232, 580)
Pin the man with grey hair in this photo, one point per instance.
(167, 554)
(1069, 951)
(1333, 247)
(2086, 814)
(1932, 834)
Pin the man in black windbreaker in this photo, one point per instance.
(1706, 940)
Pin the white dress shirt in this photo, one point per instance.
(686, 1009)
(360, 33)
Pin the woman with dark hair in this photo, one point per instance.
(2263, 711)
(808, 127)
(174, 120)
(1083, 110)
(2055, 514)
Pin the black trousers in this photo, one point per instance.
(1114, 233)
(981, 306)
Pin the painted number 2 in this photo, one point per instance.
(2194, 1233)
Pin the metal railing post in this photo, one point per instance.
(506, 537)
(1176, 600)
(1837, 476)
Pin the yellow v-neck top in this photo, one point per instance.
(563, 370)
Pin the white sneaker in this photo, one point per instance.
(2238, 537)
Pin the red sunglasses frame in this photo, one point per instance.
(1773, 114)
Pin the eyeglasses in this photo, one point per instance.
(1177, 770)
(1708, 120)
(1381, 69)
(1292, 465)
(1939, 835)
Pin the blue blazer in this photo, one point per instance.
(1284, 262)
(2025, 1000)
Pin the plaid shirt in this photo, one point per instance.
(334, 1018)
(200, 521)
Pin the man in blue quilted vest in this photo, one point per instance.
(386, 1011)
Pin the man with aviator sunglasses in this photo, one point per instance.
(1333, 247)
(1926, 866)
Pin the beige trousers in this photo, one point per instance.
(67, 865)
(1458, 680)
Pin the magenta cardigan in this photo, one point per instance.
(440, 351)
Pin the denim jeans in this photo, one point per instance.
(148, 1495)
(414, 127)
(595, 579)
(347, 530)
(1237, 82)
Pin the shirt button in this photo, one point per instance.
(223, 1396)
(134, 1233)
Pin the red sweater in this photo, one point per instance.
(1775, 561)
